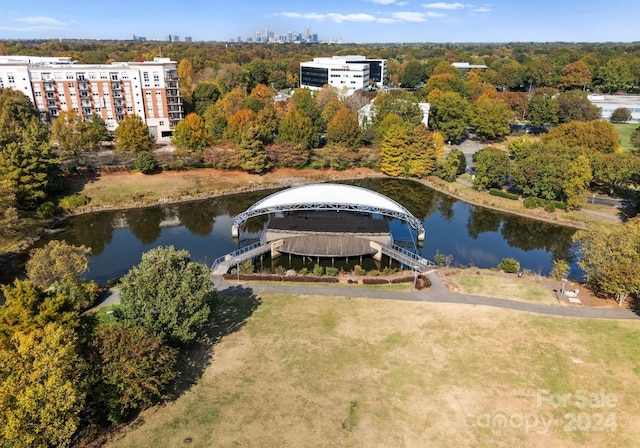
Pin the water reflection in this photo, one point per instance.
(470, 234)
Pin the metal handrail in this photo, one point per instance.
(235, 253)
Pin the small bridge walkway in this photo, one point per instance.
(405, 257)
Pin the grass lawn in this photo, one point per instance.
(327, 372)
(502, 287)
(624, 131)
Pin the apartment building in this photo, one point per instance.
(346, 73)
(148, 89)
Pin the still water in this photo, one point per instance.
(470, 235)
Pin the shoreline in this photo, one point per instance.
(301, 179)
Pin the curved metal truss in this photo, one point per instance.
(414, 222)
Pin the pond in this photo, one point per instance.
(470, 235)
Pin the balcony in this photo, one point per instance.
(117, 95)
(52, 105)
(173, 93)
(116, 86)
(172, 85)
(170, 77)
(118, 102)
(83, 86)
(86, 103)
(49, 87)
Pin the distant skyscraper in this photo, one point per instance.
(176, 38)
(306, 34)
(188, 39)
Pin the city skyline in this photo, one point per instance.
(349, 21)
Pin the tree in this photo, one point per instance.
(8, 211)
(492, 167)
(421, 157)
(577, 178)
(405, 106)
(490, 117)
(411, 74)
(204, 95)
(543, 109)
(453, 165)
(620, 115)
(145, 163)
(237, 123)
(597, 135)
(394, 144)
(133, 135)
(448, 114)
(191, 134)
(57, 261)
(615, 75)
(169, 293)
(71, 134)
(28, 166)
(445, 82)
(344, 129)
(134, 368)
(254, 156)
(610, 258)
(635, 139)
(41, 391)
(574, 106)
(98, 131)
(295, 127)
(16, 112)
(575, 75)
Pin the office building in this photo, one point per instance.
(348, 73)
(148, 89)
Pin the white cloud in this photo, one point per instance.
(484, 8)
(435, 14)
(339, 18)
(443, 5)
(383, 2)
(35, 23)
(309, 16)
(407, 16)
(387, 20)
(40, 20)
(402, 3)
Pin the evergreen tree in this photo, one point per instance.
(421, 155)
(254, 156)
(394, 145)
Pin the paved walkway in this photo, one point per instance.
(437, 293)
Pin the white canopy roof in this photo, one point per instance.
(329, 196)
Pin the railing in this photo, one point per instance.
(235, 253)
(415, 260)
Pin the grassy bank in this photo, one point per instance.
(322, 371)
(624, 132)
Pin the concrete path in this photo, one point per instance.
(437, 293)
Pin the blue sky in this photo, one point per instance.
(361, 21)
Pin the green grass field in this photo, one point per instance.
(624, 131)
(503, 287)
(329, 372)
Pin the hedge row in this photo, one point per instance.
(504, 194)
(280, 278)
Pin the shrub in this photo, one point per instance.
(373, 273)
(304, 271)
(74, 201)
(439, 258)
(530, 203)
(560, 270)
(504, 194)
(318, 270)
(408, 279)
(550, 207)
(357, 270)
(423, 282)
(331, 272)
(620, 115)
(558, 204)
(145, 163)
(509, 265)
(375, 281)
(47, 210)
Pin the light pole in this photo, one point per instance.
(564, 280)
(415, 277)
